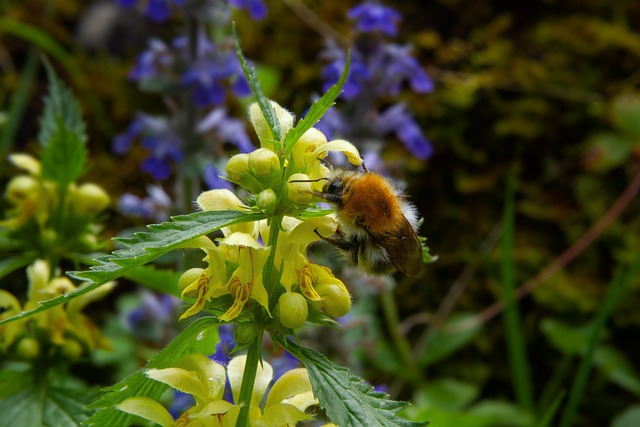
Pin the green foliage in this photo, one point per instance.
(317, 110)
(142, 248)
(60, 111)
(349, 401)
(199, 337)
(64, 155)
(267, 109)
(46, 407)
(441, 344)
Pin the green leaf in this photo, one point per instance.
(199, 337)
(347, 399)
(64, 156)
(268, 111)
(142, 248)
(14, 263)
(60, 106)
(317, 110)
(629, 418)
(607, 151)
(626, 114)
(441, 343)
(51, 407)
(160, 280)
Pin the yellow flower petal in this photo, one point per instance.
(219, 200)
(264, 375)
(147, 409)
(26, 162)
(183, 380)
(281, 414)
(345, 147)
(291, 383)
(211, 374)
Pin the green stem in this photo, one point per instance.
(248, 380)
(390, 311)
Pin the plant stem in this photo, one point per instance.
(248, 380)
(390, 310)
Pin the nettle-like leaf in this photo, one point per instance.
(199, 337)
(64, 156)
(46, 407)
(346, 398)
(59, 105)
(143, 247)
(317, 110)
(267, 109)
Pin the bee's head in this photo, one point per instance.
(334, 186)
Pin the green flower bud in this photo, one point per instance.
(49, 237)
(71, 349)
(28, 348)
(21, 187)
(336, 300)
(189, 277)
(88, 241)
(246, 333)
(299, 192)
(293, 309)
(90, 198)
(263, 162)
(238, 167)
(267, 201)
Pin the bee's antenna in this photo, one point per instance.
(363, 165)
(310, 180)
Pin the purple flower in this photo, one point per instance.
(208, 74)
(257, 8)
(373, 16)
(156, 10)
(228, 129)
(152, 62)
(158, 137)
(396, 119)
(225, 345)
(394, 64)
(213, 180)
(154, 313)
(155, 206)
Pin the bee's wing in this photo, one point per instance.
(404, 250)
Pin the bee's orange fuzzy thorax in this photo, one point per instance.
(370, 201)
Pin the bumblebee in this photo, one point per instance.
(378, 226)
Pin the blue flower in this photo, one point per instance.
(373, 16)
(208, 74)
(164, 145)
(154, 313)
(154, 61)
(154, 206)
(257, 8)
(394, 64)
(358, 71)
(398, 120)
(227, 129)
(213, 180)
(156, 10)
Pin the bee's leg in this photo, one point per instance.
(338, 240)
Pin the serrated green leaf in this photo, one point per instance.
(143, 247)
(51, 407)
(317, 110)
(59, 106)
(199, 337)
(64, 156)
(347, 399)
(263, 102)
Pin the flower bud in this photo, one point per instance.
(299, 192)
(263, 162)
(21, 187)
(262, 127)
(237, 167)
(71, 349)
(189, 277)
(267, 201)
(28, 348)
(88, 241)
(90, 198)
(293, 309)
(336, 300)
(246, 333)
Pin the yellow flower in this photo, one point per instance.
(205, 380)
